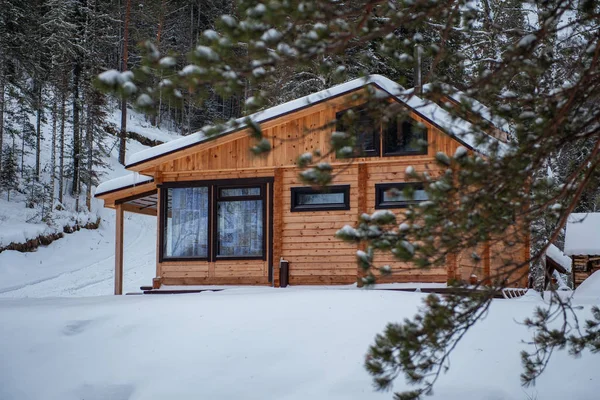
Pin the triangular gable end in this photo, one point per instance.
(458, 129)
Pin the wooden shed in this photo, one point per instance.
(227, 217)
(582, 244)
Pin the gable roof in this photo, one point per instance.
(457, 96)
(583, 234)
(461, 130)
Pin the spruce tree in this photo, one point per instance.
(8, 173)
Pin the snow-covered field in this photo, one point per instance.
(258, 343)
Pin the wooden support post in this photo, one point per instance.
(159, 217)
(363, 176)
(452, 267)
(277, 223)
(487, 261)
(119, 250)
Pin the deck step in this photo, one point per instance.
(180, 291)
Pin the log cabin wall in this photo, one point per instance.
(305, 239)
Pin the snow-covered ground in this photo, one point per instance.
(81, 263)
(260, 343)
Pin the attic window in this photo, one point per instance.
(363, 127)
(405, 136)
(393, 195)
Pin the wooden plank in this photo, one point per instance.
(486, 263)
(278, 215)
(176, 281)
(190, 267)
(323, 280)
(294, 252)
(322, 260)
(320, 245)
(158, 230)
(119, 250)
(184, 274)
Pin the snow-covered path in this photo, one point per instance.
(82, 263)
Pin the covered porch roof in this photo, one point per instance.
(134, 192)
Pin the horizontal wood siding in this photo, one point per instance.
(395, 173)
(306, 239)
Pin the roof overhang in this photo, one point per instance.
(135, 193)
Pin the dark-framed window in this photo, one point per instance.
(240, 222)
(363, 127)
(185, 223)
(393, 195)
(404, 136)
(213, 220)
(331, 198)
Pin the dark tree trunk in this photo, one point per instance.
(38, 129)
(76, 129)
(1, 115)
(61, 173)
(123, 132)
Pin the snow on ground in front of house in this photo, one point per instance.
(259, 343)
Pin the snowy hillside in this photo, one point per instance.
(80, 263)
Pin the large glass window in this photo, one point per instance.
(401, 136)
(399, 195)
(186, 223)
(240, 222)
(331, 198)
(213, 221)
(404, 136)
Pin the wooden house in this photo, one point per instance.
(582, 244)
(227, 217)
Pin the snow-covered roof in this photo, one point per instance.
(122, 182)
(479, 109)
(462, 130)
(583, 234)
(559, 257)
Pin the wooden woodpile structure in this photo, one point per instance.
(206, 183)
(582, 244)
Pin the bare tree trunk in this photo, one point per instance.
(22, 154)
(38, 130)
(89, 144)
(161, 18)
(61, 173)
(53, 156)
(1, 115)
(76, 129)
(123, 132)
